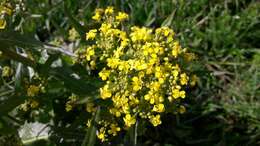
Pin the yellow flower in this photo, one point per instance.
(73, 97)
(147, 97)
(155, 86)
(159, 108)
(105, 27)
(34, 103)
(73, 34)
(182, 109)
(141, 66)
(98, 14)
(24, 106)
(182, 94)
(184, 79)
(121, 16)
(112, 62)
(96, 17)
(92, 64)
(175, 73)
(137, 84)
(189, 56)
(124, 43)
(133, 100)
(140, 34)
(6, 10)
(33, 90)
(129, 120)
(88, 124)
(155, 120)
(101, 134)
(68, 107)
(114, 129)
(7, 71)
(194, 80)
(115, 112)
(109, 10)
(176, 93)
(176, 49)
(91, 34)
(2, 23)
(104, 74)
(90, 52)
(90, 107)
(123, 66)
(105, 93)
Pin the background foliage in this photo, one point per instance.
(222, 110)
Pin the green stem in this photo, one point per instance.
(90, 137)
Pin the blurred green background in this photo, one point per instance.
(224, 110)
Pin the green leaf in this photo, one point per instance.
(90, 138)
(8, 53)
(6, 127)
(11, 103)
(150, 20)
(18, 77)
(11, 39)
(169, 19)
(77, 86)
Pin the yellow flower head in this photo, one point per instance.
(155, 120)
(137, 84)
(90, 107)
(6, 10)
(91, 34)
(104, 74)
(144, 70)
(34, 103)
(73, 34)
(7, 71)
(98, 14)
(184, 79)
(121, 16)
(129, 120)
(33, 90)
(159, 108)
(140, 34)
(2, 23)
(182, 109)
(109, 10)
(105, 92)
(101, 134)
(114, 129)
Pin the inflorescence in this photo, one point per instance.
(142, 69)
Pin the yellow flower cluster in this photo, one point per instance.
(90, 107)
(142, 68)
(29, 104)
(5, 9)
(7, 71)
(33, 90)
(73, 34)
(71, 102)
(107, 129)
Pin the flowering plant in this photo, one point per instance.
(143, 71)
(142, 75)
